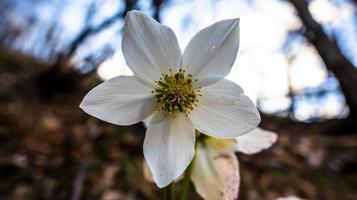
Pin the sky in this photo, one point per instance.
(270, 58)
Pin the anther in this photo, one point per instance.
(175, 92)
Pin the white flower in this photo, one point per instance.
(215, 172)
(215, 169)
(180, 93)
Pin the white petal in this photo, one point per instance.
(224, 111)
(122, 100)
(215, 174)
(154, 117)
(210, 54)
(148, 175)
(256, 141)
(149, 48)
(169, 148)
(289, 198)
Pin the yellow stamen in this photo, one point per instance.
(175, 92)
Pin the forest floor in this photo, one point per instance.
(51, 149)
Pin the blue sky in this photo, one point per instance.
(264, 66)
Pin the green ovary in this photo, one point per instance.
(175, 92)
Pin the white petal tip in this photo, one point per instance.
(256, 141)
(237, 20)
(169, 148)
(162, 184)
(82, 105)
(134, 12)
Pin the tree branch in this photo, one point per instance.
(334, 60)
(89, 31)
(79, 181)
(157, 7)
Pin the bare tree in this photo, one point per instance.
(335, 62)
(88, 31)
(62, 77)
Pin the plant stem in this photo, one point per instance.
(170, 192)
(186, 183)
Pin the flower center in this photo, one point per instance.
(175, 93)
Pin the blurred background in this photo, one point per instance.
(297, 61)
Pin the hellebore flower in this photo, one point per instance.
(215, 169)
(179, 93)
